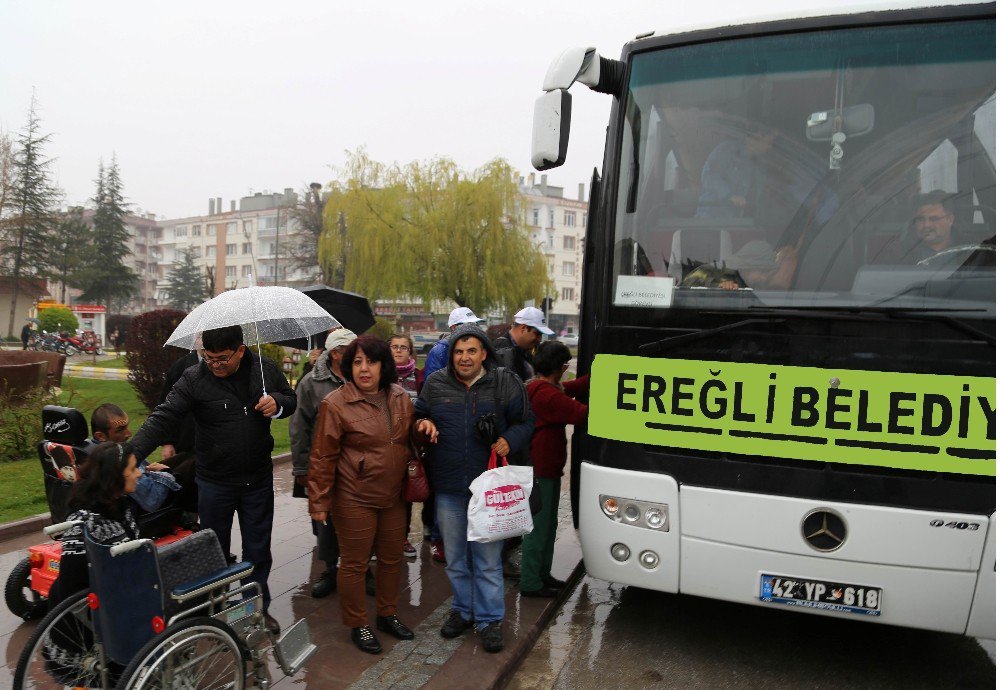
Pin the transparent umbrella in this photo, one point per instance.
(266, 314)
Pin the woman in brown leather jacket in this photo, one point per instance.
(356, 469)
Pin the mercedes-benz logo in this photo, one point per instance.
(824, 530)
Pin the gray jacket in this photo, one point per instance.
(314, 386)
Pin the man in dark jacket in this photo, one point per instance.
(233, 441)
(516, 349)
(454, 399)
(322, 379)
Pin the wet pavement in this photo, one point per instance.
(428, 661)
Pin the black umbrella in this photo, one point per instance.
(350, 309)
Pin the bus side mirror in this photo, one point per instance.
(550, 129)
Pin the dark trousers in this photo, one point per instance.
(254, 506)
(182, 466)
(539, 544)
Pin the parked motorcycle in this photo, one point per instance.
(86, 343)
(49, 342)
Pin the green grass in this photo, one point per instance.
(22, 492)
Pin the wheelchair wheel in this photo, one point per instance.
(200, 653)
(23, 601)
(61, 651)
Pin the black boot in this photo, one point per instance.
(365, 640)
(325, 584)
(391, 625)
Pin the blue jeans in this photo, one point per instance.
(254, 505)
(475, 570)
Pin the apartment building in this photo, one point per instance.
(558, 225)
(252, 238)
(144, 258)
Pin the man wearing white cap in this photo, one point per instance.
(320, 381)
(515, 348)
(514, 351)
(437, 358)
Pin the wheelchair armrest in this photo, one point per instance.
(194, 588)
(131, 545)
(58, 528)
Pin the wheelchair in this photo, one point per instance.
(168, 617)
(62, 449)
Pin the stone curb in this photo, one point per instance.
(527, 643)
(86, 372)
(35, 523)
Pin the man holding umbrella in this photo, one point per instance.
(232, 412)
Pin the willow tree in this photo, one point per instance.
(431, 231)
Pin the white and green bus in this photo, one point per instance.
(790, 310)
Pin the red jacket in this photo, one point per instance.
(554, 408)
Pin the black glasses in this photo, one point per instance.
(399, 348)
(218, 361)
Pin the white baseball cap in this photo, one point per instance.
(462, 315)
(341, 336)
(533, 317)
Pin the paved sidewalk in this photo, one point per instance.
(428, 661)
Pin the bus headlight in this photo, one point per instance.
(655, 518)
(620, 552)
(628, 511)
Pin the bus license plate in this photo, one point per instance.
(821, 594)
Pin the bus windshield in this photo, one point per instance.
(851, 168)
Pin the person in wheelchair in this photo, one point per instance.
(171, 483)
(98, 499)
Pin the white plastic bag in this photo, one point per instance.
(499, 507)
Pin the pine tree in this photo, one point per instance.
(109, 278)
(71, 250)
(26, 232)
(185, 283)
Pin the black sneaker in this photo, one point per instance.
(552, 582)
(455, 625)
(325, 585)
(492, 637)
(541, 593)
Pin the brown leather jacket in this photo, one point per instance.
(354, 459)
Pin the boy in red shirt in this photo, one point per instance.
(555, 405)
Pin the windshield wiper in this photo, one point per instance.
(667, 343)
(778, 314)
(861, 312)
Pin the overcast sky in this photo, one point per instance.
(219, 98)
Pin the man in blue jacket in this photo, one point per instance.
(233, 441)
(437, 359)
(454, 399)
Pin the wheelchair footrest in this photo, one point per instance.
(294, 648)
